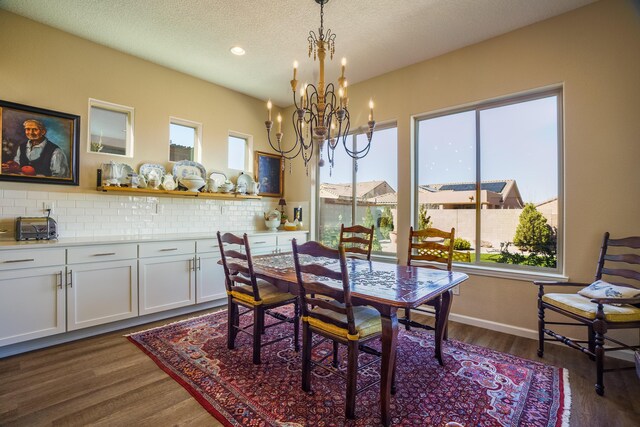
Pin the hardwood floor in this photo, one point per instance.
(106, 380)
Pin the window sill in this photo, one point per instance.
(504, 273)
(477, 270)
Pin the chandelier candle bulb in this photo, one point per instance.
(344, 64)
(295, 69)
(279, 123)
(269, 105)
(370, 109)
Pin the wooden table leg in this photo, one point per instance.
(441, 322)
(389, 341)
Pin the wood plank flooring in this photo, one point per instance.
(107, 381)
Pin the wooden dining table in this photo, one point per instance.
(386, 287)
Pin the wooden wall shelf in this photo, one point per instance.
(165, 193)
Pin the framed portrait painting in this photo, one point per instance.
(269, 174)
(39, 146)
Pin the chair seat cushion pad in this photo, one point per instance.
(577, 304)
(366, 320)
(602, 289)
(269, 294)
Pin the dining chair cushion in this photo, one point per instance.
(602, 289)
(577, 304)
(366, 320)
(269, 294)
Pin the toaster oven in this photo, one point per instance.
(36, 228)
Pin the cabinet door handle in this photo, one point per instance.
(258, 243)
(191, 265)
(60, 276)
(70, 279)
(168, 249)
(105, 254)
(199, 263)
(19, 260)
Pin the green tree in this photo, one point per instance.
(533, 234)
(369, 222)
(424, 221)
(386, 222)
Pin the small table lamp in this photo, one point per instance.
(282, 203)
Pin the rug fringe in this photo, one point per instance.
(174, 323)
(566, 412)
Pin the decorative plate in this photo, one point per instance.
(218, 177)
(148, 167)
(245, 179)
(187, 167)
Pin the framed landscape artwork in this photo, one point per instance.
(269, 174)
(39, 146)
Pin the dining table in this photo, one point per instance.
(386, 287)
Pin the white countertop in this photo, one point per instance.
(11, 243)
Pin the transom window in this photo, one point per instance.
(493, 172)
(110, 128)
(184, 140)
(239, 148)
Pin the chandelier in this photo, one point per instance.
(321, 115)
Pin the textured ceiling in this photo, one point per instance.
(376, 36)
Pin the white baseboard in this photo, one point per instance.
(523, 332)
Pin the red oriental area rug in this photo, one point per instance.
(476, 387)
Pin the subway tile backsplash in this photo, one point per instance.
(96, 214)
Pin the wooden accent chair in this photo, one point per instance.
(257, 295)
(611, 302)
(357, 240)
(328, 311)
(423, 246)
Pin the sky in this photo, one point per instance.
(517, 142)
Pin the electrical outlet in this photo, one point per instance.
(456, 290)
(48, 207)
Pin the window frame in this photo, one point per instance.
(519, 272)
(110, 106)
(197, 143)
(248, 152)
(353, 136)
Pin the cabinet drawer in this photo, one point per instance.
(102, 253)
(23, 258)
(207, 245)
(257, 242)
(284, 241)
(180, 247)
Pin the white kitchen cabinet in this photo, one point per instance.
(31, 303)
(284, 240)
(166, 282)
(209, 274)
(263, 244)
(101, 292)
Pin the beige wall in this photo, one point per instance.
(47, 68)
(593, 53)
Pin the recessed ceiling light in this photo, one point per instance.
(237, 50)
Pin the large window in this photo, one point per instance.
(110, 128)
(184, 140)
(493, 173)
(366, 196)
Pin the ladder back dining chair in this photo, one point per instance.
(258, 296)
(327, 310)
(357, 241)
(612, 301)
(432, 248)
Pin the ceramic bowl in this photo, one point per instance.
(192, 182)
